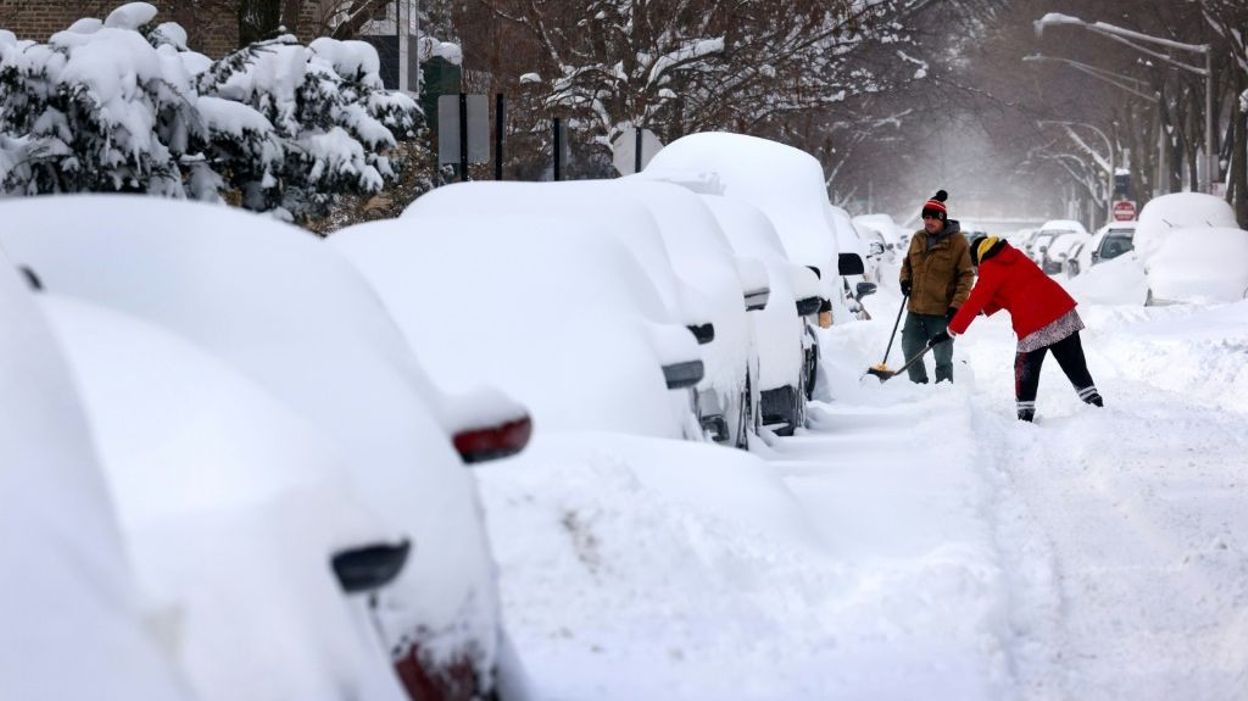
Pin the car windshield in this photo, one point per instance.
(1114, 246)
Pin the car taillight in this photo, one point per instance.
(494, 442)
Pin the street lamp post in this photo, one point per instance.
(1130, 38)
(1109, 149)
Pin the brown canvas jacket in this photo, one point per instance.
(941, 277)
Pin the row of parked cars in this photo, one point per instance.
(238, 456)
(1188, 246)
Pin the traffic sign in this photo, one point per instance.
(1124, 210)
(629, 144)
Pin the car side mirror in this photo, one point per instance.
(865, 288)
(370, 567)
(850, 264)
(809, 306)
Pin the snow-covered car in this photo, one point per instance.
(566, 322)
(884, 225)
(855, 286)
(1109, 242)
(1199, 266)
(788, 185)
(1053, 258)
(1162, 216)
(75, 623)
(786, 347)
(239, 519)
(284, 309)
(1039, 242)
(600, 212)
(729, 288)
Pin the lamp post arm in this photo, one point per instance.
(1110, 29)
(1113, 80)
(1157, 54)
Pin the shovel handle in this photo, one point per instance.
(893, 336)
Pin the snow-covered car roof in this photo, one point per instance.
(1179, 210)
(284, 308)
(556, 317)
(69, 593)
(1200, 265)
(1063, 243)
(1118, 227)
(785, 182)
(1058, 225)
(229, 502)
(611, 214)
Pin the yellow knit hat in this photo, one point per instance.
(985, 243)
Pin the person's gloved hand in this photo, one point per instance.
(939, 338)
(905, 288)
(951, 313)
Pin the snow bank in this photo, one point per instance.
(1117, 281)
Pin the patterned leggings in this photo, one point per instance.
(1069, 354)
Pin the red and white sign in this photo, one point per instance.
(1124, 210)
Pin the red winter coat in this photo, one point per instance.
(1009, 281)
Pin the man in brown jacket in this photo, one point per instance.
(937, 276)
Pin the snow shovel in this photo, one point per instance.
(885, 376)
(881, 370)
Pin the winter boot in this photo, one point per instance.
(1091, 396)
(1028, 415)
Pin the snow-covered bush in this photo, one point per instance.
(124, 105)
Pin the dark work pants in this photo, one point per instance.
(1069, 354)
(919, 328)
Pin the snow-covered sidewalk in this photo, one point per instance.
(916, 542)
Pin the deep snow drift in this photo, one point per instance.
(915, 542)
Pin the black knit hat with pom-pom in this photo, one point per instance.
(936, 206)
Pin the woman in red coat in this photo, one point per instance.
(1044, 319)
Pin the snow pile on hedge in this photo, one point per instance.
(123, 106)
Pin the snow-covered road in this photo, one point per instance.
(917, 541)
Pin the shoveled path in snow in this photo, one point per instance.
(1110, 545)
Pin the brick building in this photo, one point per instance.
(212, 26)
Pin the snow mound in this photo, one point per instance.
(132, 15)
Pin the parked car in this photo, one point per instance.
(281, 307)
(1199, 266)
(75, 623)
(565, 321)
(894, 235)
(1109, 242)
(701, 289)
(785, 347)
(730, 287)
(238, 517)
(1045, 235)
(855, 286)
(603, 213)
(1162, 216)
(1053, 258)
(788, 185)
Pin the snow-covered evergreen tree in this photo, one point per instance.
(122, 105)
